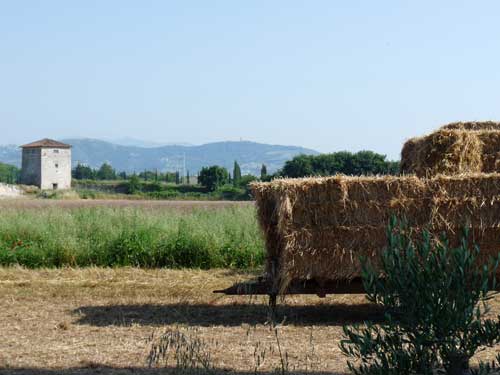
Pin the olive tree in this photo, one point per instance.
(435, 298)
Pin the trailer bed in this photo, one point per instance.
(262, 286)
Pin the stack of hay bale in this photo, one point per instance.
(462, 147)
(317, 228)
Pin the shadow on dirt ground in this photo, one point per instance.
(134, 370)
(206, 315)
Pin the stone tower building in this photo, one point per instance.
(47, 164)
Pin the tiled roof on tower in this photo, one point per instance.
(46, 143)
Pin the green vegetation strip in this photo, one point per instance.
(205, 238)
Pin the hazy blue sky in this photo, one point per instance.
(329, 75)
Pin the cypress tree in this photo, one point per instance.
(236, 173)
(263, 172)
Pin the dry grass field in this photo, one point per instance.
(118, 203)
(105, 320)
(96, 320)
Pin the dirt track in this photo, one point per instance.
(148, 204)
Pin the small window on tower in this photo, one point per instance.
(56, 151)
(57, 165)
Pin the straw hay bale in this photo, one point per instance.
(317, 228)
(473, 125)
(443, 152)
(462, 147)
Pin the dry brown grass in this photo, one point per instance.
(88, 318)
(83, 321)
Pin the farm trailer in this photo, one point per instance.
(316, 229)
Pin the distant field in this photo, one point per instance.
(117, 203)
(40, 233)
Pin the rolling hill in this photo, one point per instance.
(250, 155)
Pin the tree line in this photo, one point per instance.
(107, 172)
(343, 162)
(211, 177)
(214, 177)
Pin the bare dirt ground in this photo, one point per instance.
(86, 321)
(118, 203)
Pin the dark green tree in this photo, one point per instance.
(177, 178)
(263, 172)
(134, 184)
(148, 175)
(394, 168)
(213, 177)
(9, 173)
(245, 182)
(188, 178)
(123, 175)
(106, 172)
(169, 177)
(236, 173)
(435, 298)
(343, 162)
(299, 166)
(83, 172)
(369, 163)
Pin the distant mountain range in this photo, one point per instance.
(128, 141)
(250, 155)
